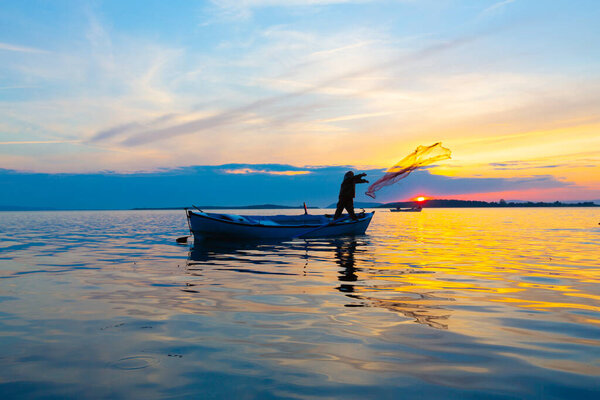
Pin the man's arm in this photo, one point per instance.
(359, 178)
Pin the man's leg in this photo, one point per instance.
(339, 209)
(350, 208)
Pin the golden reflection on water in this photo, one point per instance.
(534, 262)
(509, 261)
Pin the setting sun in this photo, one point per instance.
(420, 198)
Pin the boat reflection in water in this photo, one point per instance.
(345, 264)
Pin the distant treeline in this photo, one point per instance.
(435, 203)
(443, 203)
(251, 207)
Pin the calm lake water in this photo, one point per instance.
(447, 303)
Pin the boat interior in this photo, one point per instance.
(287, 220)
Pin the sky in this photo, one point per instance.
(123, 91)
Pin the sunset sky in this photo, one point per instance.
(512, 87)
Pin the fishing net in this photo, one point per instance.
(422, 156)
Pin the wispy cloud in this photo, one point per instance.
(246, 171)
(495, 7)
(241, 113)
(529, 165)
(130, 127)
(243, 9)
(21, 49)
(330, 52)
(17, 87)
(40, 142)
(356, 116)
(515, 166)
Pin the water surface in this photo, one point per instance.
(447, 303)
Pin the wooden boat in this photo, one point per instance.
(264, 227)
(398, 209)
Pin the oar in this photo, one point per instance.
(321, 227)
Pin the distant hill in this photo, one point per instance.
(449, 203)
(250, 207)
(360, 204)
(435, 203)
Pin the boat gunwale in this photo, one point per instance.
(257, 225)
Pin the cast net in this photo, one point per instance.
(422, 156)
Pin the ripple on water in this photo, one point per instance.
(134, 362)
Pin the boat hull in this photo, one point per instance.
(209, 225)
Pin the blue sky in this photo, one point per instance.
(143, 86)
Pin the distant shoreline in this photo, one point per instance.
(435, 203)
(251, 207)
(444, 203)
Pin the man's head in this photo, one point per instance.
(349, 175)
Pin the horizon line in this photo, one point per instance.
(491, 204)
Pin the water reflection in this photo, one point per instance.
(419, 308)
(353, 258)
(221, 253)
(444, 304)
(344, 256)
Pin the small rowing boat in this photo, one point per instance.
(398, 209)
(260, 227)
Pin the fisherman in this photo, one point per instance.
(347, 193)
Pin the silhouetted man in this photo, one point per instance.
(347, 192)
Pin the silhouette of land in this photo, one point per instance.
(434, 203)
(448, 203)
(250, 207)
